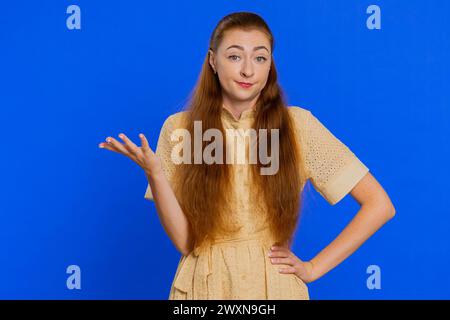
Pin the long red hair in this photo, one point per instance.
(203, 190)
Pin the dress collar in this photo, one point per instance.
(246, 114)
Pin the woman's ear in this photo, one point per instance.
(211, 60)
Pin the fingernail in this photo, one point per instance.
(108, 139)
(121, 135)
(101, 146)
(141, 135)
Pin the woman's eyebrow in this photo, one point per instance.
(242, 48)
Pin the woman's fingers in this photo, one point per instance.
(283, 255)
(278, 254)
(275, 247)
(280, 250)
(287, 270)
(129, 145)
(287, 261)
(144, 142)
(105, 145)
(118, 146)
(143, 156)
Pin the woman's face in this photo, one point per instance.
(243, 56)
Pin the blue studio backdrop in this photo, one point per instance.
(376, 73)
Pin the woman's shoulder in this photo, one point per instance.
(298, 111)
(176, 120)
(300, 115)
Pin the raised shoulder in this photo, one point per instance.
(297, 110)
(300, 115)
(176, 120)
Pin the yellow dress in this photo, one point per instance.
(238, 267)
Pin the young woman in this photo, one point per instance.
(234, 225)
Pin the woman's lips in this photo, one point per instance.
(244, 84)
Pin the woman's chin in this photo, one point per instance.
(243, 95)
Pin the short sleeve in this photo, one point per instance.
(163, 150)
(332, 167)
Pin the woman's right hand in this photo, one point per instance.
(143, 156)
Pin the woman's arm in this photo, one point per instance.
(171, 216)
(170, 213)
(376, 209)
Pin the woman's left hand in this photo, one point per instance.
(302, 269)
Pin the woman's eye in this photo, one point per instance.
(260, 58)
(264, 58)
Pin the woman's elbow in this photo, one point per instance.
(385, 210)
(369, 192)
(382, 205)
(386, 207)
(391, 210)
(187, 248)
(184, 251)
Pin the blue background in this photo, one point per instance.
(384, 93)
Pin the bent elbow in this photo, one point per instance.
(186, 249)
(186, 252)
(391, 211)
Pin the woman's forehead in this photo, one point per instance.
(247, 40)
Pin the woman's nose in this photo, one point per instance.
(245, 74)
(246, 70)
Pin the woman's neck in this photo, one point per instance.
(237, 108)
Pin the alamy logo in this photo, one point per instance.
(374, 20)
(74, 20)
(74, 280)
(374, 280)
(236, 150)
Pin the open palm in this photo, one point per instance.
(143, 156)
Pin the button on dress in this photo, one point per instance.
(238, 267)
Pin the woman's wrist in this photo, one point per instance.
(315, 274)
(154, 175)
(308, 275)
(313, 271)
